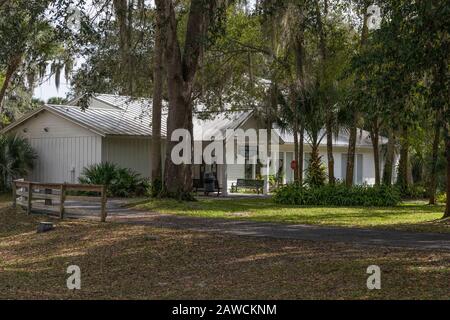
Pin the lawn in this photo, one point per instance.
(414, 216)
(121, 261)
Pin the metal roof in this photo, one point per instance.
(132, 117)
(127, 116)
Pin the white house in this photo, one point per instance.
(117, 129)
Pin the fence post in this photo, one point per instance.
(14, 191)
(62, 199)
(103, 213)
(48, 202)
(30, 195)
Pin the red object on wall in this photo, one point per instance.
(293, 165)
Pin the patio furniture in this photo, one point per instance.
(257, 185)
(199, 185)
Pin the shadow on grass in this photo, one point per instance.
(119, 262)
(415, 216)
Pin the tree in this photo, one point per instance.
(57, 101)
(117, 62)
(355, 115)
(181, 68)
(31, 38)
(158, 73)
(315, 116)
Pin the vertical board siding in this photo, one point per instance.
(133, 153)
(57, 157)
(60, 146)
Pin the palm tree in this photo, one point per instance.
(16, 159)
(291, 25)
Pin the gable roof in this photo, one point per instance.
(125, 116)
(132, 117)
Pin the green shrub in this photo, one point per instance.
(441, 197)
(414, 192)
(155, 188)
(16, 159)
(120, 182)
(316, 173)
(338, 195)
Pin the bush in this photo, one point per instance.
(120, 182)
(315, 174)
(414, 192)
(442, 197)
(16, 159)
(338, 195)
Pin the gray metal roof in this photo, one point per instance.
(105, 121)
(132, 117)
(125, 116)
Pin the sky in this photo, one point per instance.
(48, 89)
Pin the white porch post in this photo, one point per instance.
(226, 162)
(266, 177)
(224, 180)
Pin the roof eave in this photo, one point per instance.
(21, 120)
(79, 123)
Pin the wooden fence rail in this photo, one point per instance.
(27, 190)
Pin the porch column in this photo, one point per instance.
(266, 177)
(224, 180)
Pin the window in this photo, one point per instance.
(359, 171)
(306, 160)
(289, 171)
(358, 177)
(250, 156)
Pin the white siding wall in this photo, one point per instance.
(63, 151)
(129, 152)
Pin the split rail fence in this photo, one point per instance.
(24, 192)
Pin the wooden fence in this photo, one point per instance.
(52, 191)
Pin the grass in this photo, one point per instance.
(122, 261)
(413, 216)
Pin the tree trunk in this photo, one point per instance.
(10, 71)
(177, 178)
(296, 130)
(301, 154)
(447, 149)
(402, 179)
(329, 117)
(351, 154)
(329, 129)
(182, 66)
(123, 14)
(389, 162)
(296, 151)
(353, 130)
(158, 71)
(435, 155)
(375, 138)
(300, 75)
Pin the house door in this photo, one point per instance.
(289, 171)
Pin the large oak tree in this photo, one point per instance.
(181, 64)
